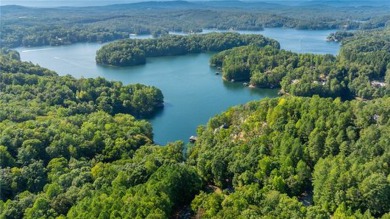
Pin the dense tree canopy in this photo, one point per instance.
(31, 91)
(69, 145)
(23, 26)
(271, 157)
(135, 51)
(77, 148)
(360, 70)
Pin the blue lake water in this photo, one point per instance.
(193, 92)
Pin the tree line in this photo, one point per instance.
(31, 91)
(77, 148)
(22, 26)
(135, 51)
(288, 157)
(294, 157)
(361, 69)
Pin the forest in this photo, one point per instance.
(24, 26)
(78, 148)
(135, 51)
(31, 91)
(362, 68)
(81, 148)
(295, 157)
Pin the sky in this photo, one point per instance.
(56, 3)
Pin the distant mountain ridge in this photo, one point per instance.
(216, 3)
(163, 5)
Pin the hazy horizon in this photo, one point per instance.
(76, 3)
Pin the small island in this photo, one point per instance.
(131, 52)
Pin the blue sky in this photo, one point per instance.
(54, 3)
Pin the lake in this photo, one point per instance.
(193, 92)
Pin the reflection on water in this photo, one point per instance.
(193, 93)
(233, 85)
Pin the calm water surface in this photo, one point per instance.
(193, 92)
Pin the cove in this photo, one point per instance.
(193, 92)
